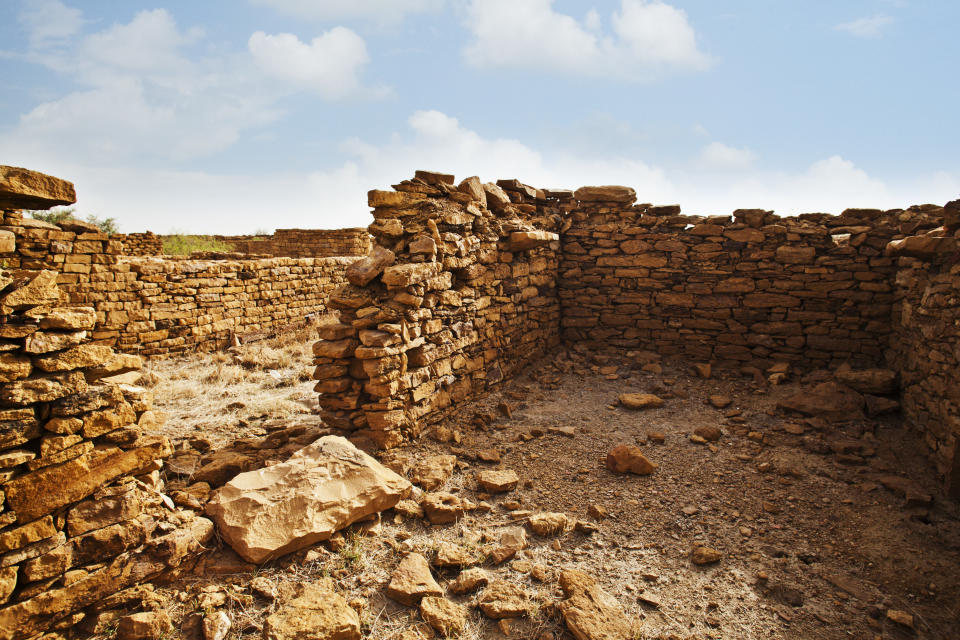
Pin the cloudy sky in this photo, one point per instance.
(232, 116)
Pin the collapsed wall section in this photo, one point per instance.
(814, 290)
(81, 511)
(458, 292)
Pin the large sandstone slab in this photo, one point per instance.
(25, 189)
(609, 193)
(321, 489)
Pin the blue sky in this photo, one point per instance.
(233, 116)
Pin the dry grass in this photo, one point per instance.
(226, 395)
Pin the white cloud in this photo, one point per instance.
(377, 10)
(719, 156)
(328, 65)
(871, 27)
(646, 37)
(149, 92)
(49, 22)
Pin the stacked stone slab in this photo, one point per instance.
(751, 290)
(457, 293)
(81, 515)
(140, 244)
(926, 345)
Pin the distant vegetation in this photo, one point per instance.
(182, 244)
(58, 215)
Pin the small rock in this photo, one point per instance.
(627, 458)
(498, 481)
(709, 432)
(703, 370)
(431, 473)
(216, 626)
(149, 625)
(657, 436)
(488, 455)
(720, 401)
(412, 580)
(453, 555)
(263, 587)
(443, 508)
(900, 617)
(705, 555)
(548, 524)
(445, 616)
(640, 400)
(469, 580)
(504, 600)
(597, 512)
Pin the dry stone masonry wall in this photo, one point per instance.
(926, 345)
(757, 289)
(81, 513)
(458, 292)
(155, 306)
(140, 244)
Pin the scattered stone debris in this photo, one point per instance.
(640, 401)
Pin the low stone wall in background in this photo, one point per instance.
(156, 306)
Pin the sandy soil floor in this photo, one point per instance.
(814, 545)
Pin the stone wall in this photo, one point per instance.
(140, 244)
(751, 290)
(302, 243)
(926, 345)
(82, 514)
(458, 293)
(155, 306)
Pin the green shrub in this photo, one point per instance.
(181, 244)
(59, 214)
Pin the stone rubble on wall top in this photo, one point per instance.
(624, 195)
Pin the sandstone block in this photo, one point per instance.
(624, 195)
(32, 289)
(321, 489)
(25, 189)
(412, 580)
(445, 616)
(627, 458)
(589, 612)
(318, 613)
(498, 480)
(366, 269)
(30, 496)
(404, 275)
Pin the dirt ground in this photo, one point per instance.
(814, 544)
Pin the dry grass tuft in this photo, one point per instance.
(227, 395)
